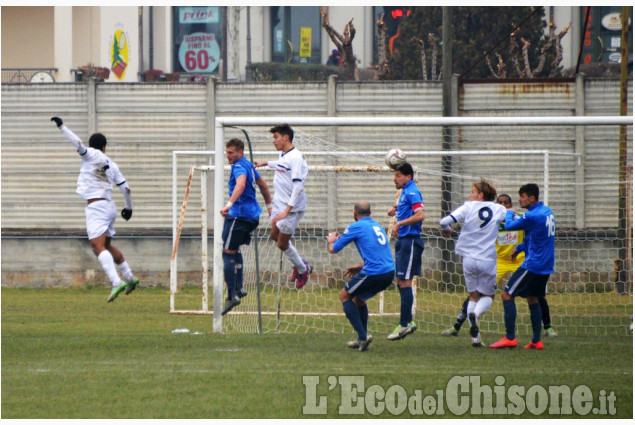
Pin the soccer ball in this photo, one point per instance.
(395, 157)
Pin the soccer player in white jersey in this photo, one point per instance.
(477, 245)
(94, 184)
(289, 199)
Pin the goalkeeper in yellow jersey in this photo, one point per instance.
(510, 255)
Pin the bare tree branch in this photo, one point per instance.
(513, 48)
(502, 71)
(382, 62)
(545, 49)
(422, 51)
(525, 53)
(556, 62)
(343, 42)
(435, 53)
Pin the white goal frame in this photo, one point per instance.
(219, 141)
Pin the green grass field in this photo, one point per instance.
(66, 353)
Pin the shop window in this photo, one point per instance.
(197, 39)
(295, 34)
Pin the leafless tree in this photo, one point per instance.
(432, 42)
(382, 61)
(553, 42)
(343, 42)
(422, 51)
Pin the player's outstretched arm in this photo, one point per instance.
(72, 137)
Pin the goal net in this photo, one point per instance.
(575, 161)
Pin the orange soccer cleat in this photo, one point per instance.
(534, 346)
(505, 342)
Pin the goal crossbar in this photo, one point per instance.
(425, 121)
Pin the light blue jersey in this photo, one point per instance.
(539, 225)
(372, 244)
(246, 206)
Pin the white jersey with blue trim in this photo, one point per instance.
(478, 235)
(290, 168)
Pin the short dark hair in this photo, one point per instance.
(405, 168)
(236, 143)
(97, 141)
(283, 129)
(487, 188)
(362, 208)
(530, 189)
(504, 195)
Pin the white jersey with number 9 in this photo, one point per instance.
(478, 235)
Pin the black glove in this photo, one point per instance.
(126, 214)
(58, 121)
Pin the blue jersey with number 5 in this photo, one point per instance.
(372, 244)
(539, 225)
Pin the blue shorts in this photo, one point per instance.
(237, 231)
(365, 287)
(408, 252)
(524, 283)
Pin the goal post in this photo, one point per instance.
(549, 166)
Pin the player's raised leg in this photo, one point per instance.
(122, 265)
(108, 265)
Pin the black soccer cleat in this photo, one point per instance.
(230, 304)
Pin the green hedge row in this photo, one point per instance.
(268, 71)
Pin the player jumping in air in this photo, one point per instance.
(477, 245)
(289, 199)
(409, 246)
(242, 214)
(96, 176)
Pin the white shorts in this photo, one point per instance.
(480, 275)
(100, 218)
(288, 224)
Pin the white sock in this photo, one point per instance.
(483, 305)
(125, 270)
(108, 264)
(292, 254)
(470, 307)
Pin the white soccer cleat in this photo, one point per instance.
(476, 342)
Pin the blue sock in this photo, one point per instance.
(535, 314)
(406, 306)
(229, 268)
(544, 308)
(239, 270)
(510, 318)
(352, 314)
(363, 316)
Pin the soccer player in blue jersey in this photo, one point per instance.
(409, 246)
(374, 275)
(242, 214)
(530, 280)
